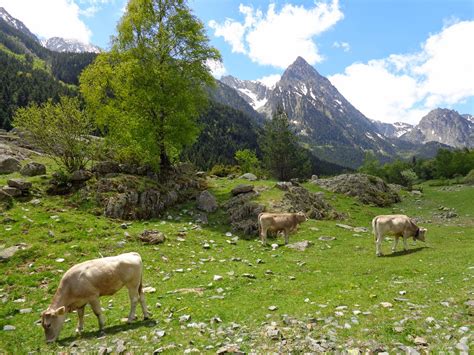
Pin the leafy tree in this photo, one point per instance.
(61, 130)
(248, 161)
(149, 90)
(409, 178)
(371, 165)
(283, 156)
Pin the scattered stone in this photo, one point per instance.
(206, 246)
(7, 253)
(242, 189)
(217, 277)
(325, 238)
(300, 246)
(249, 276)
(272, 332)
(206, 202)
(59, 260)
(19, 184)
(344, 226)
(184, 318)
(272, 308)
(9, 327)
(386, 304)
(420, 341)
(248, 176)
(469, 303)
(159, 333)
(149, 289)
(152, 237)
(35, 202)
(9, 164)
(230, 349)
(228, 234)
(274, 246)
(462, 347)
(360, 230)
(12, 191)
(398, 329)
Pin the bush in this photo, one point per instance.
(469, 178)
(61, 130)
(248, 161)
(225, 170)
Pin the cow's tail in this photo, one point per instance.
(258, 225)
(374, 224)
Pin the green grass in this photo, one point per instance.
(306, 286)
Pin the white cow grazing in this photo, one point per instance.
(85, 282)
(398, 225)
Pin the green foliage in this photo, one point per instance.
(61, 130)
(283, 156)
(409, 178)
(30, 73)
(371, 165)
(248, 161)
(223, 132)
(448, 164)
(222, 170)
(149, 90)
(469, 178)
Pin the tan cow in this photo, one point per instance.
(276, 222)
(85, 282)
(398, 225)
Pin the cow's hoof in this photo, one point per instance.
(379, 254)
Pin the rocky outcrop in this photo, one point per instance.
(243, 213)
(6, 200)
(366, 188)
(299, 199)
(242, 189)
(17, 188)
(33, 169)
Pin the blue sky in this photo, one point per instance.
(394, 60)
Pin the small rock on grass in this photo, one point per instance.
(272, 308)
(420, 341)
(9, 327)
(386, 304)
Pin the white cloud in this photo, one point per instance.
(50, 18)
(346, 47)
(270, 80)
(404, 87)
(216, 67)
(276, 38)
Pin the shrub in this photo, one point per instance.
(61, 130)
(225, 170)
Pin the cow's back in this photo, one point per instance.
(395, 224)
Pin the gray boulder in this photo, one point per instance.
(19, 184)
(314, 205)
(283, 185)
(243, 213)
(241, 189)
(152, 237)
(12, 191)
(300, 246)
(6, 201)
(9, 164)
(106, 167)
(33, 169)
(206, 202)
(80, 176)
(248, 176)
(7, 253)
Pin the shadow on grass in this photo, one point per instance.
(107, 331)
(404, 252)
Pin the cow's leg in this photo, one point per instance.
(133, 295)
(395, 243)
(286, 234)
(95, 304)
(378, 245)
(80, 317)
(405, 244)
(141, 294)
(264, 236)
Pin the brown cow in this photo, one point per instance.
(84, 283)
(276, 222)
(400, 226)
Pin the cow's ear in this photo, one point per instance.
(60, 311)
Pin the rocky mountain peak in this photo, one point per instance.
(15, 23)
(58, 44)
(444, 126)
(253, 92)
(300, 70)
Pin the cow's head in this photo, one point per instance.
(420, 234)
(52, 321)
(301, 217)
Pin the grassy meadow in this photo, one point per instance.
(336, 293)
